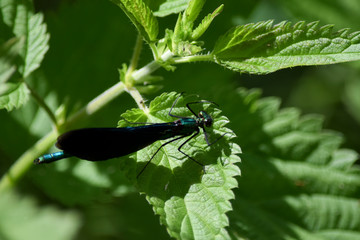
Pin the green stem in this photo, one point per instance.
(195, 58)
(128, 76)
(96, 104)
(24, 162)
(42, 103)
(143, 72)
(138, 99)
(151, 67)
(136, 55)
(154, 51)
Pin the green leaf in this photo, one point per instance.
(37, 44)
(339, 234)
(13, 95)
(251, 222)
(178, 41)
(149, 84)
(297, 183)
(310, 212)
(342, 213)
(192, 11)
(205, 23)
(183, 36)
(341, 13)
(191, 204)
(263, 47)
(141, 16)
(19, 16)
(343, 159)
(169, 7)
(8, 53)
(184, 48)
(15, 14)
(21, 218)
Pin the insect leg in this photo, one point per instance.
(209, 144)
(207, 139)
(172, 115)
(187, 140)
(202, 101)
(148, 162)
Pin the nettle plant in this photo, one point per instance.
(296, 183)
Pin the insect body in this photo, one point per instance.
(98, 144)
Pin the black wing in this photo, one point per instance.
(98, 144)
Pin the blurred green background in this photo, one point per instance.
(91, 39)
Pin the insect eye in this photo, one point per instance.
(208, 122)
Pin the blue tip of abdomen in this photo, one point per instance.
(51, 157)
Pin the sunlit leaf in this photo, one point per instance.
(8, 53)
(169, 7)
(263, 47)
(13, 95)
(141, 16)
(191, 204)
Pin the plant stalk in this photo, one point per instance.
(43, 104)
(24, 162)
